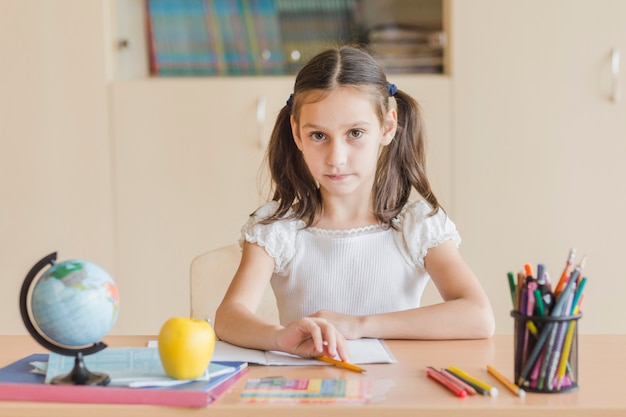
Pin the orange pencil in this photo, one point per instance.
(568, 265)
(528, 268)
(340, 364)
(508, 384)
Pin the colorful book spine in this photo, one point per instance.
(180, 41)
(214, 37)
(308, 27)
(264, 38)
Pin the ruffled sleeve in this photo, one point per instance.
(420, 232)
(278, 238)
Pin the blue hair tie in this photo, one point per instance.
(392, 89)
(289, 102)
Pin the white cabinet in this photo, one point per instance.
(539, 145)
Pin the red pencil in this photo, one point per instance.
(437, 376)
(467, 387)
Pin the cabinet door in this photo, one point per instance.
(187, 160)
(55, 172)
(540, 145)
(187, 165)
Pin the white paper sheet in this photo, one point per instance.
(362, 351)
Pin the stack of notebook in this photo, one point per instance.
(136, 378)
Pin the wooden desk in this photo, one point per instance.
(602, 362)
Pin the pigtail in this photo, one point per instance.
(402, 163)
(290, 174)
(413, 159)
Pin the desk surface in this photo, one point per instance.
(602, 362)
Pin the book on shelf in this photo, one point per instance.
(411, 64)
(243, 37)
(401, 48)
(433, 38)
(19, 383)
(214, 37)
(179, 42)
(308, 27)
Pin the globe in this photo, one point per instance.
(75, 303)
(70, 308)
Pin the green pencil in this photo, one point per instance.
(513, 289)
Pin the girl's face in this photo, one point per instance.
(340, 137)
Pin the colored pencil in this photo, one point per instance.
(546, 331)
(478, 388)
(566, 351)
(539, 302)
(493, 391)
(508, 384)
(529, 270)
(578, 295)
(512, 289)
(340, 364)
(558, 348)
(437, 376)
(568, 264)
(467, 387)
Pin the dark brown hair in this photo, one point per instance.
(401, 165)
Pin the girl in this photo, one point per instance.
(346, 251)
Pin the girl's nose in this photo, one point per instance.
(337, 155)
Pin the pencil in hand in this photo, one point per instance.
(340, 364)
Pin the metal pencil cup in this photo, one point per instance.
(546, 353)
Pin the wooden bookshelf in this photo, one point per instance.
(271, 37)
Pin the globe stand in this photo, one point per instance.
(79, 375)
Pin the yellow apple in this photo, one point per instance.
(186, 346)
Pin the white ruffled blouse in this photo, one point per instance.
(362, 271)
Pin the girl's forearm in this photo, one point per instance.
(237, 325)
(455, 319)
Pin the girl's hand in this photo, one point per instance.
(347, 325)
(310, 337)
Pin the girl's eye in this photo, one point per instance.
(355, 133)
(318, 136)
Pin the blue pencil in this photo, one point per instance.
(560, 339)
